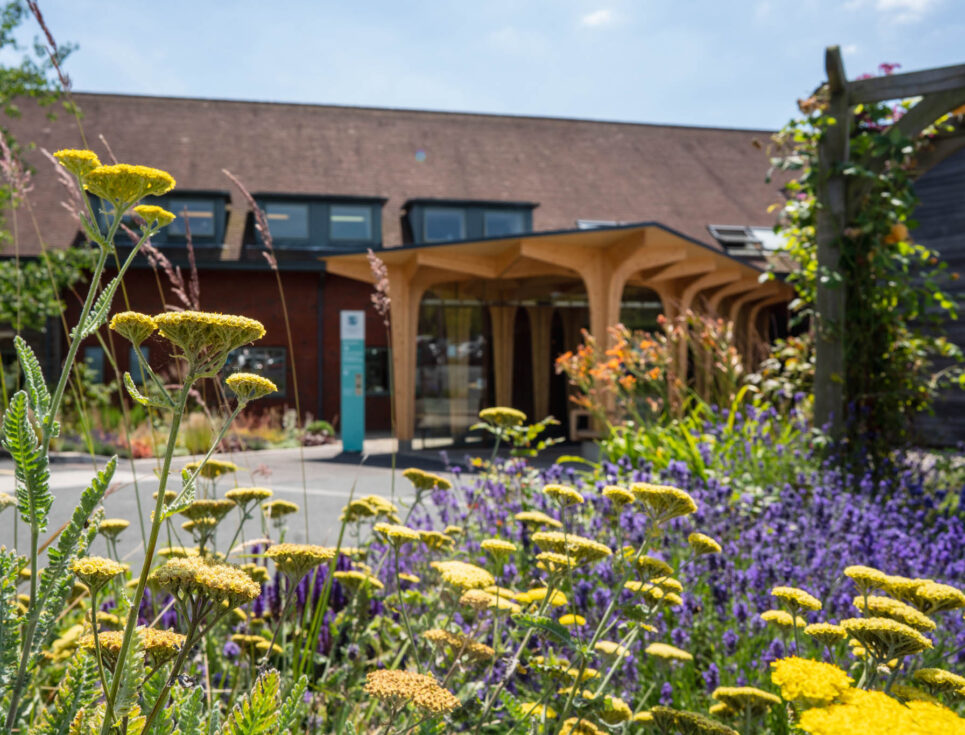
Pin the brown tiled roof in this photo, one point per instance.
(683, 177)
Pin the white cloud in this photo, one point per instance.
(851, 48)
(597, 19)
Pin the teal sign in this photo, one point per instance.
(352, 334)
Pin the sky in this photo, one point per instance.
(736, 63)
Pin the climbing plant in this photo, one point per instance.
(896, 300)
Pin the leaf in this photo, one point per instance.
(36, 385)
(75, 691)
(98, 313)
(131, 676)
(10, 619)
(65, 551)
(257, 712)
(290, 710)
(183, 499)
(190, 720)
(30, 463)
(546, 625)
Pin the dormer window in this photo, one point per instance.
(350, 222)
(287, 220)
(448, 220)
(198, 214)
(301, 222)
(204, 213)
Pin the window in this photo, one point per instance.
(287, 220)
(445, 224)
(198, 213)
(269, 362)
(377, 371)
(350, 222)
(497, 223)
(94, 360)
(134, 366)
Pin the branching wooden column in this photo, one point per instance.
(540, 322)
(406, 297)
(503, 319)
(457, 319)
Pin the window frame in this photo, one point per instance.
(435, 209)
(503, 211)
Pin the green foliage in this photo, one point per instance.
(34, 380)
(30, 290)
(257, 713)
(190, 719)
(152, 691)
(75, 691)
(131, 675)
(320, 426)
(30, 460)
(98, 314)
(10, 618)
(545, 625)
(896, 303)
(291, 708)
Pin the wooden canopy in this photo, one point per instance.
(503, 272)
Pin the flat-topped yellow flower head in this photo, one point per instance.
(398, 688)
(276, 509)
(78, 162)
(666, 651)
(112, 527)
(580, 548)
(498, 547)
(563, 494)
(782, 619)
(617, 495)
(663, 502)
(359, 580)
(297, 560)
(437, 540)
(423, 481)
(668, 719)
(245, 495)
(396, 534)
(133, 326)
(796, 599)
(503, 417)
(207, 338)
(866, 578)
(204, 578)
(249, 387)
(462, 574)
(537, 518)
(886, 638)
(746, 699)
(217, 509)
(123, 184)
(96, 571)
(886, 607)
(811, 682)
(876, 712)
(213, 468)
(159, 645)
(154, 216)
(702, 544)
(827, 634)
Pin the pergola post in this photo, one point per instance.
(831, 292)
(503, 320)
(457, 320)
(540, 322)
(404, 327)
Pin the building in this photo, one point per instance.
(503, 237)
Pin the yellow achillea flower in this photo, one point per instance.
(422, 480)
(885, 607)
(538, 594)
(436, 540)
(907, 692)
(614, 711)
(196, 577)
(360, 580)
(279, 508)
(584, 550)
(502, 417)
(744, 699)
(554, 562)
(212, 468)
(537, 518)
(133, 326)
(179, 552)
(563, 494)
(78, 162)
(479, 600)
(216, 509)
(663, 503)
(666, 651)
(643, 717)
(169, 495)
(610, 648)
(462, 574)
(813, 682)
(123, 184)
(619, 496)
(256, 572)
(153, 215)
(96, 571)
(940, 680)
(579, 726)
(461, 645)
(782, 619)
(933, 597)
(297, 560)
(648, 565)
(677, 720)
(453, 530)
(398, 688)
(250, 387)
(668, 584)
(796, 599)
(203, 523)
(159, 645)
(7, 501)
(245, 495)
(411, 578)
(112, 527)
(876, 712)
(396, 534)
(498, 547)
(886, 638)
(537, 710)
(866, 578)
(200, 333)
(722, 710)
(571, 619)
(358, 510)
(827, 634)
(702, 544)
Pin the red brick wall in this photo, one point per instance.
(255, 294)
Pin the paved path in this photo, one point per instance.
(329, 476)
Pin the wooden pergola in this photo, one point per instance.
(683, 272)
(940, 91)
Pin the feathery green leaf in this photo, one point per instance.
(10, 618)
(190, 720)
(257, 713)
(30, 463)
(75, 691)
(291, 708)
(131, 676)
